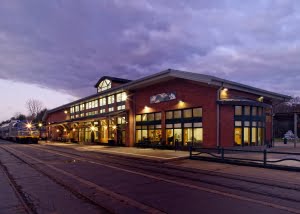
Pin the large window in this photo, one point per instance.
(184, 126)
(148, 127)
(121, 98)
(104, 85)
(111, 99)
(249, 122)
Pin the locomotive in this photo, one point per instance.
(19, 131)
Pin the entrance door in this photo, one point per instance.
(238, 136)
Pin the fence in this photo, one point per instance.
(262, 158)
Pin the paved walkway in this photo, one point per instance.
(171, 155)
(145, 153)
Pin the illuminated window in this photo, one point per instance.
(111, 109)
(148, 128)
(184, 127)
(121, 107)
(104, 85)
(121, 97)
(102, 101)
(249, 129)
(111, 99)
(81, 107)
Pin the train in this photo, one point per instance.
(19, 131)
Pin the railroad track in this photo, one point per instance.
(27, 206)
(182, 174)
(90, 198)
(161, 168)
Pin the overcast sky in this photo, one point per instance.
(56, 50)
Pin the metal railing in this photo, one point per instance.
(262, 158)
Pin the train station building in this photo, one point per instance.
(167, 108)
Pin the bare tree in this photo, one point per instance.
(34, 106)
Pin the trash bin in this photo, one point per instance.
(285, 140)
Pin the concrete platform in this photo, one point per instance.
(145, 153)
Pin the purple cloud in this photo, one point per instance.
(67, 45)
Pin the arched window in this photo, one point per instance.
(104, 85)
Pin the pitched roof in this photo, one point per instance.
(172, 74)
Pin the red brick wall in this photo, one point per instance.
(226, 126)
(57, 116)
(193, 95)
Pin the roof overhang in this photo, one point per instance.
(243, 102)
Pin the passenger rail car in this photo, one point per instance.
(19, 131)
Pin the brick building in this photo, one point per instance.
(167, 108)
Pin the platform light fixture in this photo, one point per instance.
(57, 130)
(93, 128)
(66, 112)
(40, 124)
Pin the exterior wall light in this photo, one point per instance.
(225, 89)
(114, 127)
(93, 128)
(40, 124)
(65, 130)
(57, 130)
(74, 130)
(66, 112)
(261, 99)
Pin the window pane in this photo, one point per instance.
(187, 124)
(177, 114)
(177, 125)
(198, 135)
(168, 126)
(188, 136)
(246, 136)
(138, 118)
(238, 136)
(197, 124)
(169, 137)
(247, 110)
(254, 123)
(197, 112)
(246, 123)
(187, 113)
(238, 110)
(253, 137)
(254, 111)
(158, 116)
(177, 135)
(144, 117)
(150, 117)
(238, 123)
(169, 115)
(138, 137)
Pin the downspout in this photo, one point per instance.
(218, 116)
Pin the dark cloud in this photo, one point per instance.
(67, 45)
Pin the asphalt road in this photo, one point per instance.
(53, 179)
